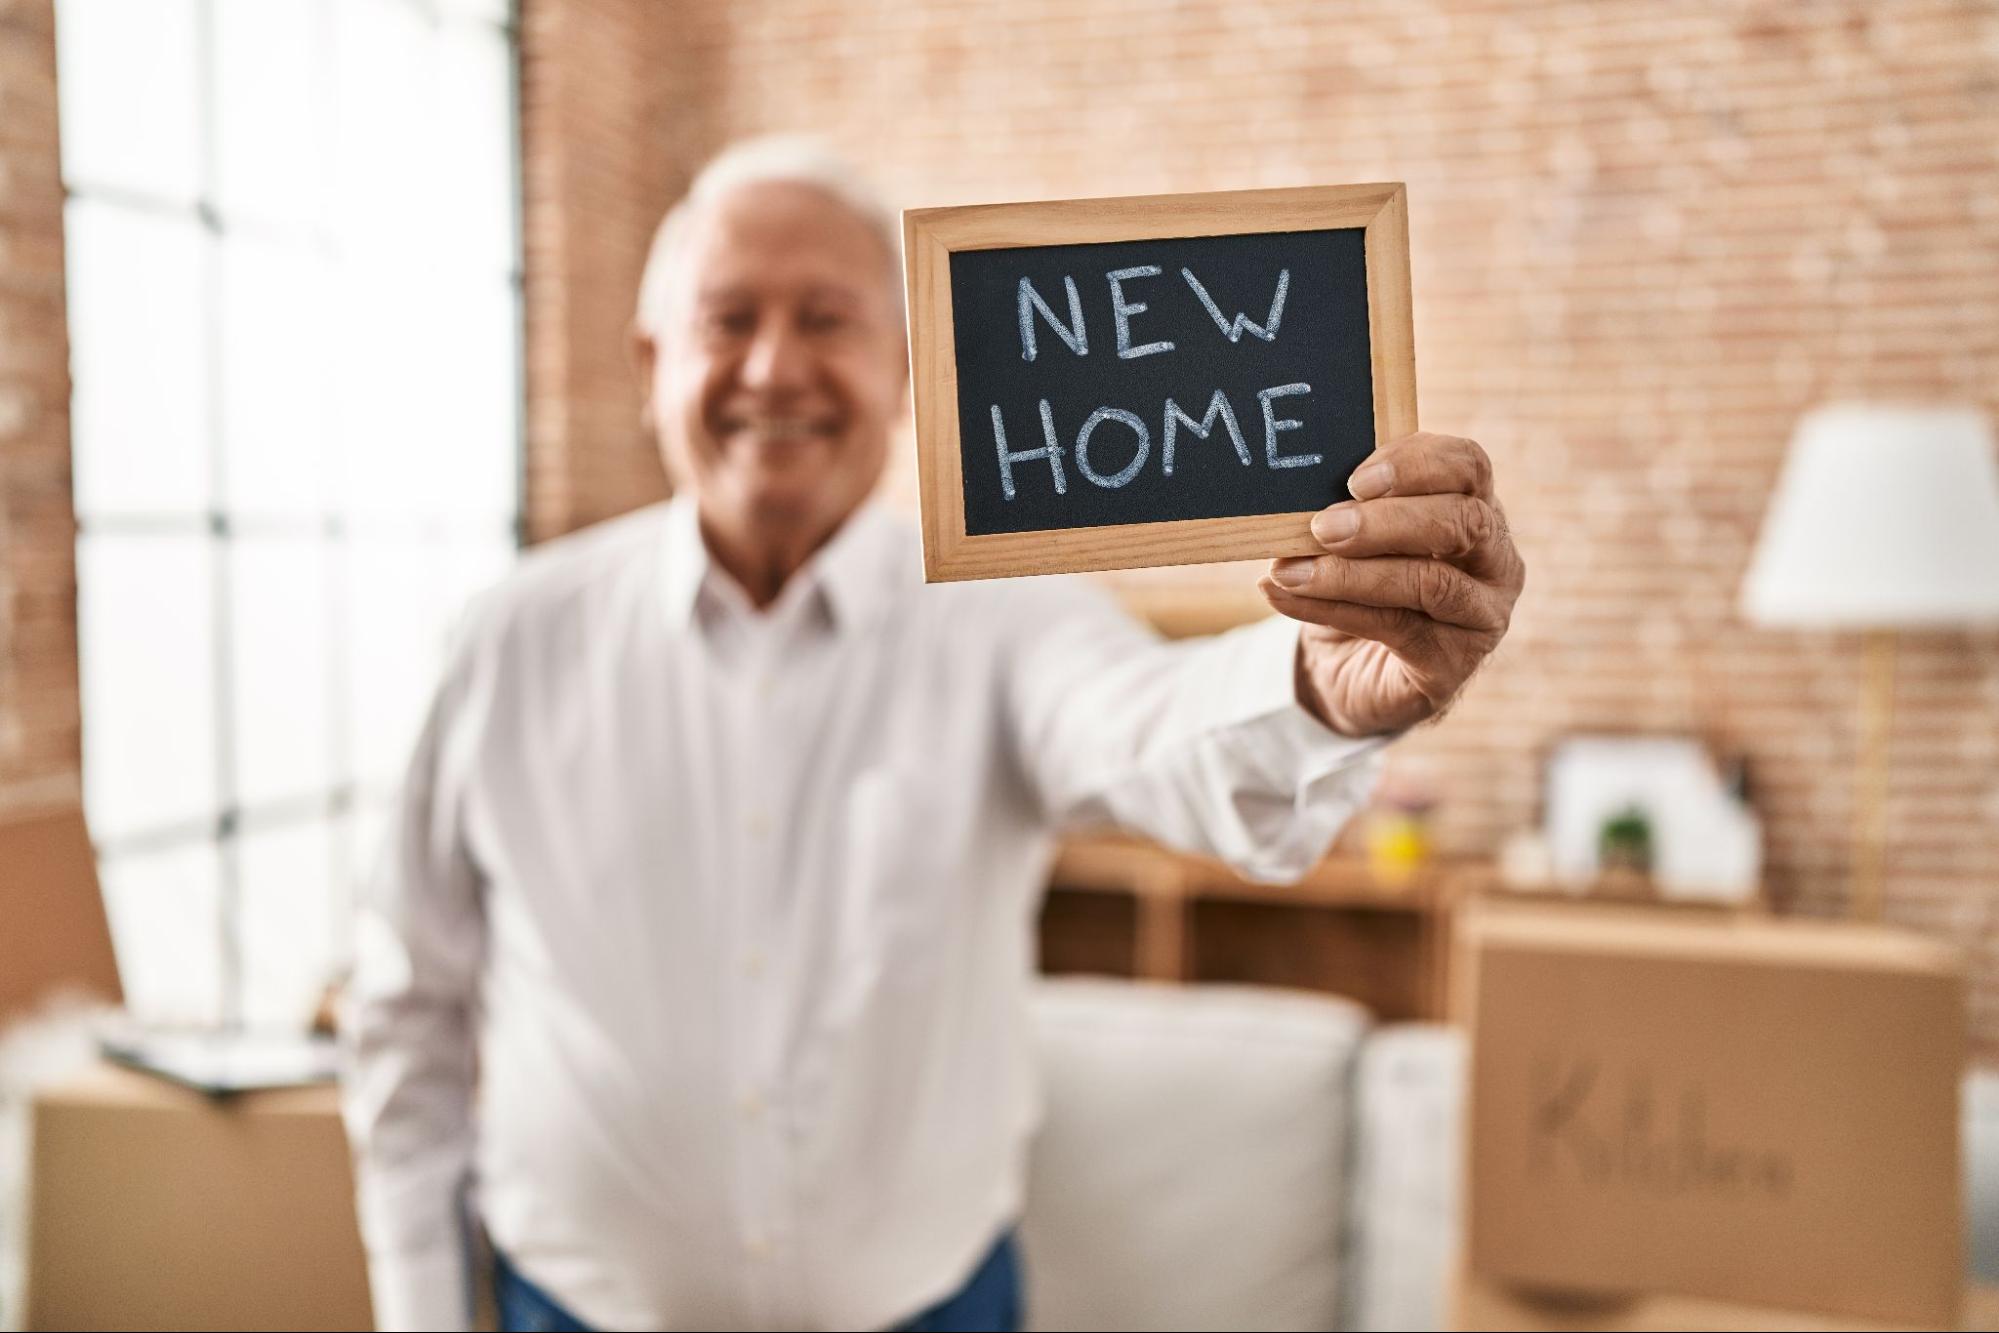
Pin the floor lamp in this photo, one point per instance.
(1885, 519)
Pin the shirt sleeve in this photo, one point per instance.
(408, 1042)
(1200, 743)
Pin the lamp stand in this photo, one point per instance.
(1870, 786)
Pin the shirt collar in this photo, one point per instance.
(856, 573)
(683, 561)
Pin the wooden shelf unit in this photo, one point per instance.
(1342, 929)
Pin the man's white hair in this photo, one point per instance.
(770, 159)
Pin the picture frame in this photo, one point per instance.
(1705, 843)
(932, 235)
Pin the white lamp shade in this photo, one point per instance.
(1884, 518)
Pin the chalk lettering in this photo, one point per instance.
(1271, 425)
(1122, 311)
(1175, 417)
(1050, 451)
(1218, 406)
(1130, 470)
(1075, 336)
(1233, 332)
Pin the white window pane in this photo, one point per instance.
(146, 636)
(378, 448)
(467, 566)
(272, 127)
(165, 909)
(385, 126)
(475, 464)
(364, 833)
(136, 352)
(291, 941)
(394, 641)
(367, 836)
(281, 650)
(276, 392)
(476, 145)
(387, 457)
(129, 99)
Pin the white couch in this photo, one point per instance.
(1226, 1157)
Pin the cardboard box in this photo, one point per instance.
(57, 939)
(1737, 1109)
(153, 1206)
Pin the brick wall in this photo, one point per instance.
(594, 180)
(1645, 238)
(39, 748)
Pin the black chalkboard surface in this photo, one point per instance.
(1107, 383)
(1205, 377)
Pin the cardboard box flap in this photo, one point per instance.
(1644, 932)
(57, 938)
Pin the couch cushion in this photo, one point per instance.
(1981, 1175)
(1189, 1171)
(1407, 1167)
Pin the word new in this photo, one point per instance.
(1074, 335)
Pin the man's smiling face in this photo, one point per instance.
(776, 366)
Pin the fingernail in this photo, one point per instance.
(1292, 573)
(1335, 524)
(1373, 480)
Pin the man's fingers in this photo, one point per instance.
(1441, 591)
(1424, 464)
(1412, 636)
(1460, 528)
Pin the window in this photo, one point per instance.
(294, 304)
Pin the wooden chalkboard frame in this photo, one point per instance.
(931, 235)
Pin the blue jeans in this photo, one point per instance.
(989, 1302)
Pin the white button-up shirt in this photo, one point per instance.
(704, 939)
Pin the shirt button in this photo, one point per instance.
(752, 1105)
(758, 825)
(757, 1245)
(753, 963)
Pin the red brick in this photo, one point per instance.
(38, 684)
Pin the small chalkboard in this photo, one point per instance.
(1108, 383)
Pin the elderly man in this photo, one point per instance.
(704, 941)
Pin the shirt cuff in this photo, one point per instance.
(1295, 780)
(1284, 735)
